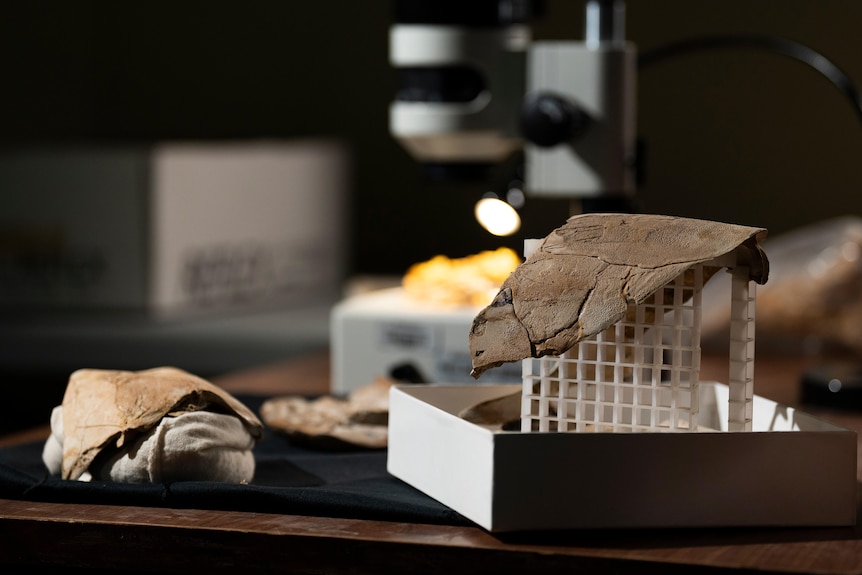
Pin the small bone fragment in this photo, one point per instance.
(327, 422)
(494, 412)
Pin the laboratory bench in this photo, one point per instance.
(110, 537)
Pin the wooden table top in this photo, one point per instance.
(141, 539)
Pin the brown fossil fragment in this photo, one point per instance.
(108, 409)
(500, 412)
(582, 277)
(332, 423)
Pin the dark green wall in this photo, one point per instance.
(738, 136)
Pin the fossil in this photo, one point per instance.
(105, 410)
(582, 277)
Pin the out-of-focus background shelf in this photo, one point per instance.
(37, 355)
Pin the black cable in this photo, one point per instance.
(783, 46)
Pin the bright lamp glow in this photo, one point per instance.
(498, 217)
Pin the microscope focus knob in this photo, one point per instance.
(549, 119)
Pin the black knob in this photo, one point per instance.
(549, 119)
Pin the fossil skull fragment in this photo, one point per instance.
(582, 277)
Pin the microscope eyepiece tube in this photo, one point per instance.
(605, 23)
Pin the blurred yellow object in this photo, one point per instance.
(472, 280)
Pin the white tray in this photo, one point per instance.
(791, 470)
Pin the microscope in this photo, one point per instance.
(476, 97)
(473, 90)
(475, 94)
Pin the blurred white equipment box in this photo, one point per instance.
(791, 470)
(181, 226)
(385, 333)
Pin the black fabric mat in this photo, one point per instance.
(289, 479)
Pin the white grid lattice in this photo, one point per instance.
(640, 374)
(741, 375)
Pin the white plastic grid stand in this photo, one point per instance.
(640, 374)
(741, 373)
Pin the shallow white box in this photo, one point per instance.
(173, 226)
(378, 333)
(792, 470)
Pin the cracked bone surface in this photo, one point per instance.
(582, 277)
(108, 409)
